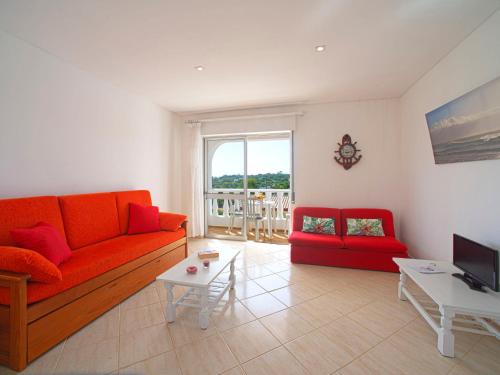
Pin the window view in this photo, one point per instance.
(268, 165)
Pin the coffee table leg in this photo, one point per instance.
(170, 303)
(204, 312)
(402, 284)
(446, 339)
(232, 278)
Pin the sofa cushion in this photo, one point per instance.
(143, 219)
(171, 221)
(377, 244)
(300, 212)
(25, 213)
(123, 200)
(89, 218)
(368, 213)
(364, 227)
(93, 260)
(15, 259)
(323, 225)
(315, 240)
(45, 240)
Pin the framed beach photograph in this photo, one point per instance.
(467, 128)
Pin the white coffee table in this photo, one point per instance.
(204, 288)
(452, 297)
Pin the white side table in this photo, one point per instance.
(452, 297)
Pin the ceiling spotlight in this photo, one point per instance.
(199, 68)
(320, 48)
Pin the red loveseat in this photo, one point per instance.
(341, 250)
(107, 266)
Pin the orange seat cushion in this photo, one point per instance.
(16, 259)
(89, 218)
(91, 261)
(123, 200)
(26, 213)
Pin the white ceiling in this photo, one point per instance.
(255, 52)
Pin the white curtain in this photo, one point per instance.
(194, 183)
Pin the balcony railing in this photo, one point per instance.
(219, 208)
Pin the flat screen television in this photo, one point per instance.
(479, 263)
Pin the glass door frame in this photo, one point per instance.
(210, 195)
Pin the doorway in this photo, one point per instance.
(248, 187)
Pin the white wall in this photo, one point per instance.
(464, 198)
(319, 180)
(374, 181)
(64, 131)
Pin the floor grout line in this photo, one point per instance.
(59, 356)
(175, 352)
(373, 347)
(298, 360)
(456, 365)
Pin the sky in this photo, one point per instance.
(474, 113)
(264, 156)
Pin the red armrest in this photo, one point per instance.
(170, 221)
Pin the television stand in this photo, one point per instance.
(479, 310)
(473, 284)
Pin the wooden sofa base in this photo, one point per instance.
(28, 331)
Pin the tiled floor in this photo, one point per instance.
(279, 236)
(280, 319)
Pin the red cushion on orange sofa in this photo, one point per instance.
(143, 219)
(124, 198)
(91, 261)
(89, 218)
(15, 259)
(376, 244)
(26, 212)
(45, 240)
(315, 240)
(171, 221)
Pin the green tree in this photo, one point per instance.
(278, 180)
(252, 183)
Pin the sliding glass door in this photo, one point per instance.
(248, 182)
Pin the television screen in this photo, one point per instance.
(478, 261)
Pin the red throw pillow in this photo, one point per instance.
(45, 240)
(170, 221)
(15, 259)
(143, 219)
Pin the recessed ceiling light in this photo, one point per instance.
(320, 48)
(199, 68)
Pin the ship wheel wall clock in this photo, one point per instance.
(348, 153)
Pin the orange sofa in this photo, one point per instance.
(106, 267)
